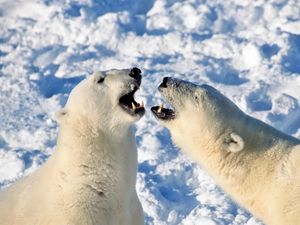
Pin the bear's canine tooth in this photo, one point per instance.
(160, 108)
(142, 105)
(133, 106)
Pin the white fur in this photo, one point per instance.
(91, 177)
(256, 164)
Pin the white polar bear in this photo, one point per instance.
(90, 178)
(256, 164)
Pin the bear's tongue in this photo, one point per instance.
(128, 103)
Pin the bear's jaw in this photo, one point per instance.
(128, 103)
(159, 111)
(163, 113)
(171, 89)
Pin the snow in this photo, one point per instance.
(10, 166)
(249, 50)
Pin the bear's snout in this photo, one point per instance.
(136, 73)
(164, 83)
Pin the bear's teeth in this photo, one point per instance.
(133, 106)
(142, 104)
(160, 108)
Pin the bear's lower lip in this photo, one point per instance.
(163, 113)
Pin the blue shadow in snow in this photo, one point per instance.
(3, 53)
(289, 126)
(163, 59)
(258, 101)
(220, 71)
(291, 61)
(269, 50)
(2, 143)
(73, 10)
(104, 50)
(145, 167)
(98, 8)
(201, 37)
(29, 156)
(137, 12)
(175, 193)
(51, 85)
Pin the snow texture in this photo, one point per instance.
(249, 50)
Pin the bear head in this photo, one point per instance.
(104, 100)
(199, 113)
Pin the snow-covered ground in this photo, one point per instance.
(248, 49)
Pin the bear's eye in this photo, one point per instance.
(101, 79)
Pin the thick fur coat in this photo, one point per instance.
(254, 163)
(90, 178)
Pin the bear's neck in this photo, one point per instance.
(95, 161)
(259, 162)
(261, 143)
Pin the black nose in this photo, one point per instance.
(164, 83)
(135, 73)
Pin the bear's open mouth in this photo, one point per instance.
(163, 113)
(128, 103)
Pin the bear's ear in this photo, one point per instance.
(61, 115)
(98, 77)
(234, 143)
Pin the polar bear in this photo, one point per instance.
(256, 164)
(90, 178)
